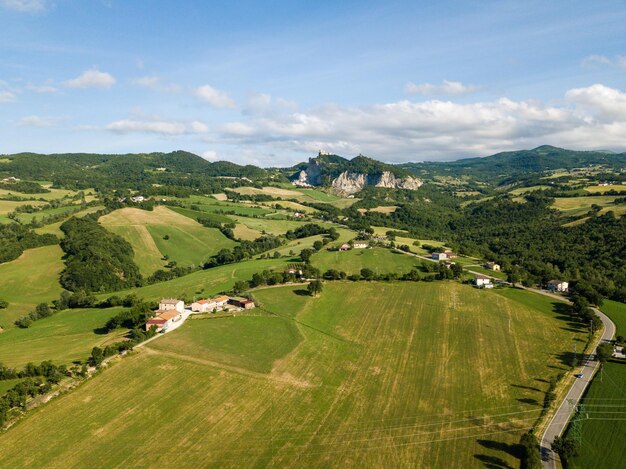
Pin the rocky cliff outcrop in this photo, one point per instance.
(351, 183)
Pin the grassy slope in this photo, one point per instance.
(66, 336)
(189, 243)
(394, 375)
(580, 205)
(617, 312)
(28, 280)
(378, 259)
(205, 282)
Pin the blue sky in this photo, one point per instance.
(272, 82)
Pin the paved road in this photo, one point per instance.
(561, 418)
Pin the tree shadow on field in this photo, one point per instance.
(566, 358)
(528, 400)
(493, 462)
(301, 292)
(566, 314)
(101, 331)
(515, 450)
(530, 388)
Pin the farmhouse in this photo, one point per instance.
(482, 281)
(167, 304)
(360, 245)
(138, 198)
(203, 306)
(439, 256)
(221, 301)
(295, 272)
(491, 266)
(450, 254)
(243, 303)
(557, 285)
(163, 319)
(344, 247)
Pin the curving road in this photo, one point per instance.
(562, 416)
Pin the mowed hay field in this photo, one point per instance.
(380, 260)
(189, 242)
(30, 279)
(366, 375)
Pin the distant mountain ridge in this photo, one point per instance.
(47, 166)
(520, 163)
(329, 170)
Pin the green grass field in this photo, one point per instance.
(524, 190)
(602, 189)
(268, 225)
(64, 337)
(602, 440)
(617, 312)
(205, 282)
(575, 206)
(251, 343)
(37, 216)
(28, 280)
(380, 260)
(190, 243)
(367, 375)
(195, 214)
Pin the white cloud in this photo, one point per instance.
(92, 78)
(7, 96)
(590, 118)
(26, 6)
(600, 102)
(39, 121)
(198, 127)
(445, 88)
(618, 61)
(214, 97)
(157, 126)
(210, 155)
(155, 83)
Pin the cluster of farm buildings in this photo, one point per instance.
(172, 310)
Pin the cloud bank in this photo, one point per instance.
(587, 118)
(157, 126)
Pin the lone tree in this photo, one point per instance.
(315, 287)
(604, 352)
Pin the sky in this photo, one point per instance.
(272, 82)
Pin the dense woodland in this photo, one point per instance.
(96, 260)
(15, 238)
